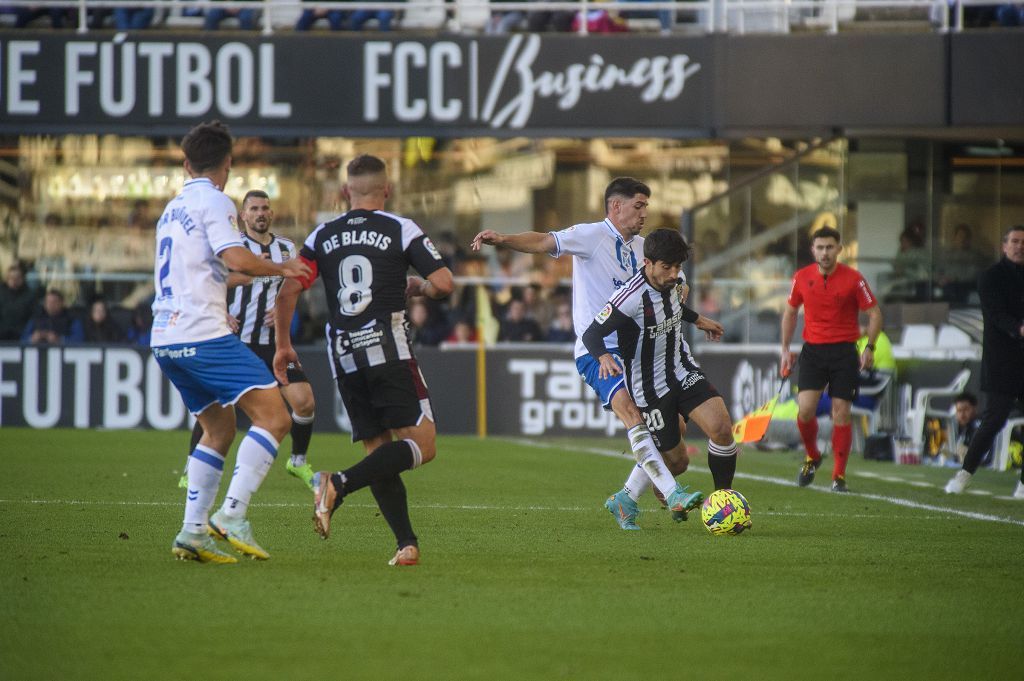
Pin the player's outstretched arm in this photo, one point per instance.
(524, 242)
(284, 309)
(241, 259)
(713, 330)
(438, 284)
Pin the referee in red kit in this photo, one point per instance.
(832, 295)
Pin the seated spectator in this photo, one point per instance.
(561, 329)
(359, 18)
(503, 22)
(463, 331)
(142, 324)
(517, 326)
(959, 265)
(559, 21)
(23, 16)
(246, 18)
(17, 303)
(664, 16)
(132, 19)
(99, 327)
(53, 324)
(335, 18)
(425, 327)
(965, 425)
(1010, 15)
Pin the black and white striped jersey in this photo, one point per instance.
(363, 257)
(649, 325)
(249, 304)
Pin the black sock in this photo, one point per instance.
(723, 468)
(386, 461)
(391, 499)
(301, 434)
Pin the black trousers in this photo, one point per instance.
(997, 410)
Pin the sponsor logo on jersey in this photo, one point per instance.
(356, 220)
(603, 315)
(665, 326)
(691, 379)
(431, 248)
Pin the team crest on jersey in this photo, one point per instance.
(604, 314)
(431, 248)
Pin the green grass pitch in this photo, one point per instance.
(524, 575)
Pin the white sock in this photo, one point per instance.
(255, 456)
(637, 483)
(204, 470)
(650, 459)
(297, 460)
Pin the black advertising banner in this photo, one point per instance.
(350, 85)
(524, 84)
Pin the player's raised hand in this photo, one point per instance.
(712, 330)
(295, 269)
(488, 236)
(282, 358)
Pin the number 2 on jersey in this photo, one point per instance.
(355, 275)
(164, 255)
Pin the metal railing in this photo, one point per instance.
(714, 16)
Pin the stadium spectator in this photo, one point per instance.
(99, 327)
(133, 18)
(425, 325)
(1001, 289)
(23, 16)
(215, 15)
(558, 20)
(831, 294)
(604, 255)
(965, 426)
(661, 375)
(335, 18)
(462, 332)
(54, 324)
(139, 330)
(375, 367)
(959, 265)
(197, 242)
(517, 326)
(17, 303)
(357, 20)
(561, 328)
(503, 22)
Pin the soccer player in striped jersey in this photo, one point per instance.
(251, 303)
(197, 242)
(604, 255)
(363, 257)
(664, 380)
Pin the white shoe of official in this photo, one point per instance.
(1019, 492)
(959, 482)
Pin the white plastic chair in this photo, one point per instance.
(1001, 446)
(880, 390)
(918, 336)
(951, 337)
(923, 409)
(430, 16)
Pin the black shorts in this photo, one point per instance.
(836, 365)
(266, 353)
(663, 418)
(380, 398)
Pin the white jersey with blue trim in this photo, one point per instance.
(190, 278)
(602, 262)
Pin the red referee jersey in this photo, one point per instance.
(830, 303)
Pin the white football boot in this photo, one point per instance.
(959, 482)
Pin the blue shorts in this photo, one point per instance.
(219, 370)
(605, 388)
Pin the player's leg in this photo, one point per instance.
(811, 380)
(843, 381)
(299, 395)
(663, 419)
(193, 542)
(197, 433)
(712, 416)
(997, 410)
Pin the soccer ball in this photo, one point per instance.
(725, 511)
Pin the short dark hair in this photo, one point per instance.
(827, 233)
(627, 187)
(666, 245)
(207, 145)
(255, 194)
(366, 164)
(1015, 228)
(968, 397)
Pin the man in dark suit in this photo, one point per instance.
(1001, 289)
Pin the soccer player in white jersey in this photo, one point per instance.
(664, 380)
(251, 316)
(196, 242)
(605, 255)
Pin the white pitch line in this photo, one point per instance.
(898, 501)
